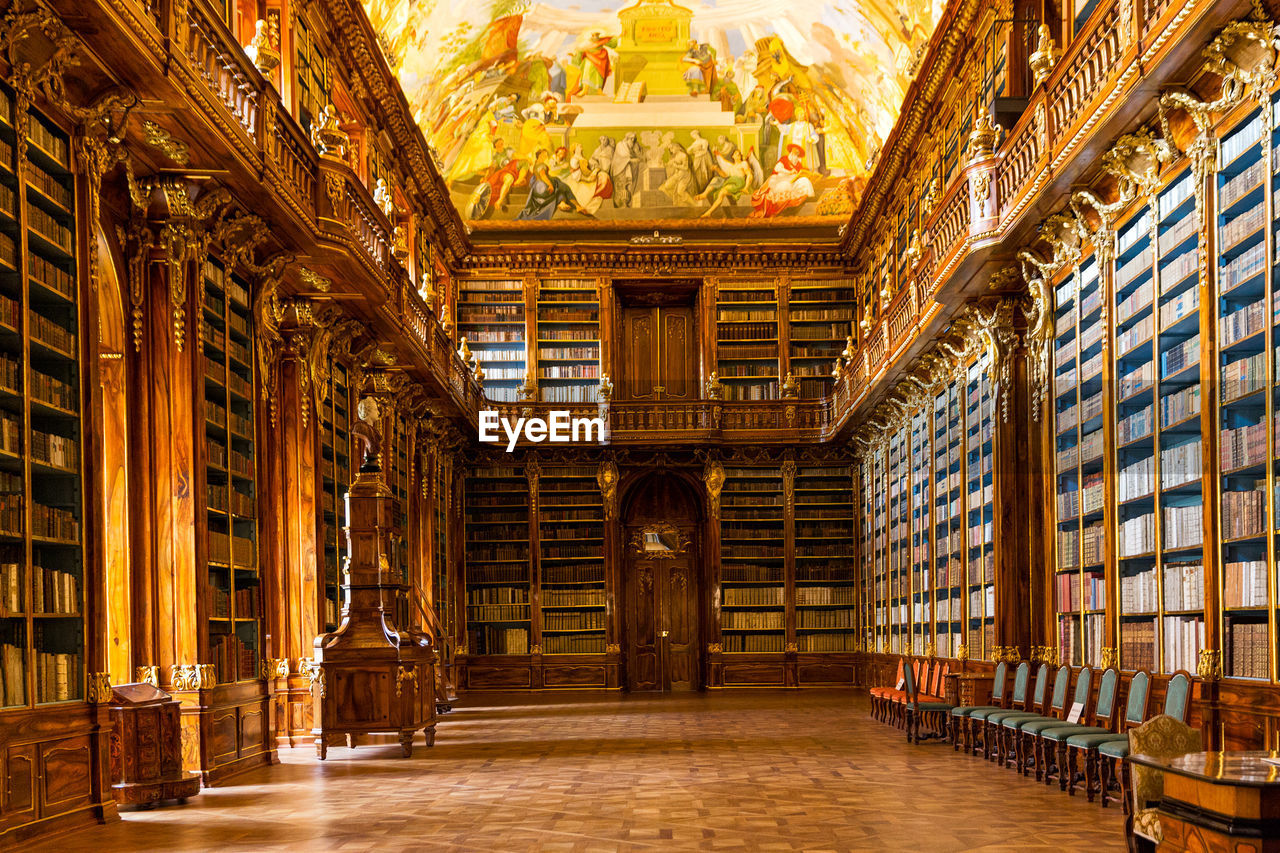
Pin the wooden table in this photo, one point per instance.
(969, 688)
(1219, 801)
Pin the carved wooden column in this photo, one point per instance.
(713, 477)
(533, 471)
(789, 571)
(607, 478)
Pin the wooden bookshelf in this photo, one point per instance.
(747, 349)
(1079, 587)
(42, 618)
(571, 561)
(825, 587)
(568, 340)
(947, 519)
(819, 322)
(336, 475)
(499, 573)
(753, 561)
(979, 509)
(233, 601)
(491, 316)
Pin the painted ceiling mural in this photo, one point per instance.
(651, 110)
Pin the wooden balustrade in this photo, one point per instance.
(223, 66)
(1018, 160)
(1090, 63)
(953, 222)
(295, 160)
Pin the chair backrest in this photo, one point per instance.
(909, 680)
(926, 670)
(997, 686)
(897, 678)
(1177, 700)
(1061, 681)
(1020, 679)
(1159, 737)
(915, 669)
(1084, 685)
(940, 671)
(1135, 708)
(1041, 689)
(1104, 710)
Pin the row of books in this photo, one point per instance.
(828, 619)
(759, 643)
(222, 547)
(583, 620)
(50, 333)
(43, 223)
(747, 331)
(1248, 650)
(1244, 512)
(571, 644)
(52, 143)
(233, 659)
(1075, 593)
(492, 640)
(498, 613)
(498, 595)
(246, 600)
(752, 620)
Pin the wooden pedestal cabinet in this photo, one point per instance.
(146, 747)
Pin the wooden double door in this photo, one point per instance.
(662, 617)
(659, 353)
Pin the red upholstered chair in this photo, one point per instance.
(880, 695)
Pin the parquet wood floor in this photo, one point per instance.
(732, 771)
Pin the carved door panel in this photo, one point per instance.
(639, 369)
(680, 626)
(679, 353)
(660, 353)
(644, 651)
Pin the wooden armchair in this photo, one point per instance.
(1051, 711)
(979, 718)
(918, 709)
(961, 716)
(1102, 719)
(1084, 745)
(1032, 706)
(1043, 750)
(880, 695)
(1111, 753)
(1159, 737)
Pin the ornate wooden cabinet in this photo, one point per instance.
(146, 747)
(371, 675)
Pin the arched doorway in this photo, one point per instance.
(662, 565)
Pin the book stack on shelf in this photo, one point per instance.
(900, 612)
(335, 480)
(868, 539)
(747, 340)
(880, 514)
(498, 569)
(948, 520)
(921, 506)
(571, 537)
(491, 317)
(232, 566)
(1244, 342)
(820, 318)
(568, 341)
(752, 561)
(826, 588)
(979, 509)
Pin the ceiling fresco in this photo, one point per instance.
(652, 111)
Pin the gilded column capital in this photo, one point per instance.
(99, 688)
(147, 675)
(1209, 665)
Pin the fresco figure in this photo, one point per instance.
(700, 160)
(625, 170)
(679, 182)
(802, 132)
(591, 67)
(735, 175)
(700, 76)
(602, 157)
(790, 185)
(590, 187)
(754, 107)
(547, 193)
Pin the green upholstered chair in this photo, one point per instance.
(880, 695)
(1101, 721)
(1042, 758)
(917, 711)
(1033, 706)
(1050, 711)
(961, 729)
(1082, 747)
(1112, 752)
(1160, 737)
(898, 700)
(978, 720)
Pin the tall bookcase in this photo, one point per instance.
(947, 519)
(921, 512)
(826, 590)
(42, 630)
(233, 603)
(899, 478)
(498, 569)
(753, 560)
(1245, 407)
(335, 480)
(747, 340)
(819, 320)
(491, 316)
(571, 560)
(568, 316)
(1079, 588)
(979, 508)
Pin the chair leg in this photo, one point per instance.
(1064, 769)
(1090, 773)
(1104, 777)
(1037, 758)
(1019, 756)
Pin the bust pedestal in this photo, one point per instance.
(371, 675)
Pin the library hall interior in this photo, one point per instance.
(625, 425)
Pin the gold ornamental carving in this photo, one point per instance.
(962, 652)
(1045, 56)
(275, 668)
(659, 541)
(789, 485)
(931, 649)
(715, 388)
(99, 688)
(147, 675)
(192, 676)
(713, 477)
(315, 676)
(164, 142)
(715, 648)
(613, 649)
(790, 647)
(1209, 665)
(607, 478)
(406, 674)
(983, 138)
(327, 135)
(1108, 656)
